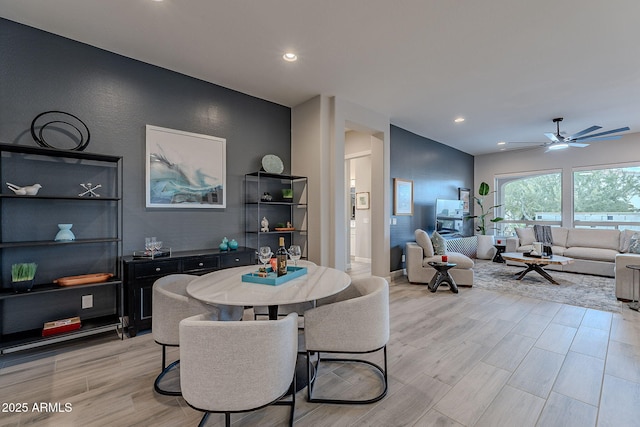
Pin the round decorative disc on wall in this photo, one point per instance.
(272, 164)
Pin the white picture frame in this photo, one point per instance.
(184, 169)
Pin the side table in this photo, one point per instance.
(500, 249)
(442, 276)
(634, 305)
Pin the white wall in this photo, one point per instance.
(309, 137)
(623, 151)
(318, 129)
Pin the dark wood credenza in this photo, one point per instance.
(140, 274)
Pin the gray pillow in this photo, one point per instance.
(634, 244)
(439, 244)
(422, 239)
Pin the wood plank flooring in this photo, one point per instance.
(478, 358)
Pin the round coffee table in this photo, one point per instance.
(442, 276)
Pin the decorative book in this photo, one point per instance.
(60, 326)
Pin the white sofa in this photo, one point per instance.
(595, 251)
(420, 253)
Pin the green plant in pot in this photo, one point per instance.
(22, 276)
(481, 225)
(485, 248)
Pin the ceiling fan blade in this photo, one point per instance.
(604, 133)
(578, 144)
(582, 132)
(602, 138)
(552, 136)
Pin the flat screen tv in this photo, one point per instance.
(449, 217)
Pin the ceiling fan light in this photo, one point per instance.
(559, 146)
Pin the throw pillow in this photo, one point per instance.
(525, 235)
(422, 239)
(634, 245)
(439, 244)
(625, 239)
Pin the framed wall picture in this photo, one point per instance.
(464, 194)
(185, 170)
(402, 196)
(362, 200)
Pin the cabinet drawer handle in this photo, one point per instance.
(237, 259)
(200, 264)
(157, 268)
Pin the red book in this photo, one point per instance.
(59, 326)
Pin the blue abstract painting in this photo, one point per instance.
(184, 170)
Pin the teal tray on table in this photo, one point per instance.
(272, 279)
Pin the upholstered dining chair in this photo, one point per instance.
(230, 367)
(354, 321)
(171, 304)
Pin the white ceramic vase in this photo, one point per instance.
(485, 249)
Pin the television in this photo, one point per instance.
(449, 217)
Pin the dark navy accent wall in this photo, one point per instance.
(116, 97)
(437, 171)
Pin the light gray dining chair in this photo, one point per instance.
(230, 367)
(171, 304)
(354, 321)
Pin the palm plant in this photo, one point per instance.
(481, 225)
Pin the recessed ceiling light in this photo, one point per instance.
(459, 120)
(290, 57)
(502, 143)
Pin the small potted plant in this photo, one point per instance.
(22, 276)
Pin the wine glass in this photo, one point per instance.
(295, 253)
(264, 255)
(157, 246)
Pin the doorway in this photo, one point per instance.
(358, 179)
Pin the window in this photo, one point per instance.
(529, 199)
(607, 197)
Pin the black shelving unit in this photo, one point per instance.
(27, 232)
(278, 209)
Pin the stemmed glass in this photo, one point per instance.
(264, 255)
(295, 253)
(150, 244)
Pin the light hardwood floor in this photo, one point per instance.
(477, 358)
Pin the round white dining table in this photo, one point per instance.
(226, 287)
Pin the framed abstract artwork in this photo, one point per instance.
(184, 170)
(362, 200)
(402, 196)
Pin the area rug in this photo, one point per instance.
(582, 290)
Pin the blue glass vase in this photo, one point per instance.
(65, 234)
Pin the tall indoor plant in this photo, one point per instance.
(481, 225)
(485, 248)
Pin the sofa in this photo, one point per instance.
(600, 252)
(419, 253)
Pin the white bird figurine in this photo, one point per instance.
(29, 190)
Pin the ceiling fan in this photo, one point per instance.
(558, 140)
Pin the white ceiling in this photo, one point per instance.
(507, 66)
